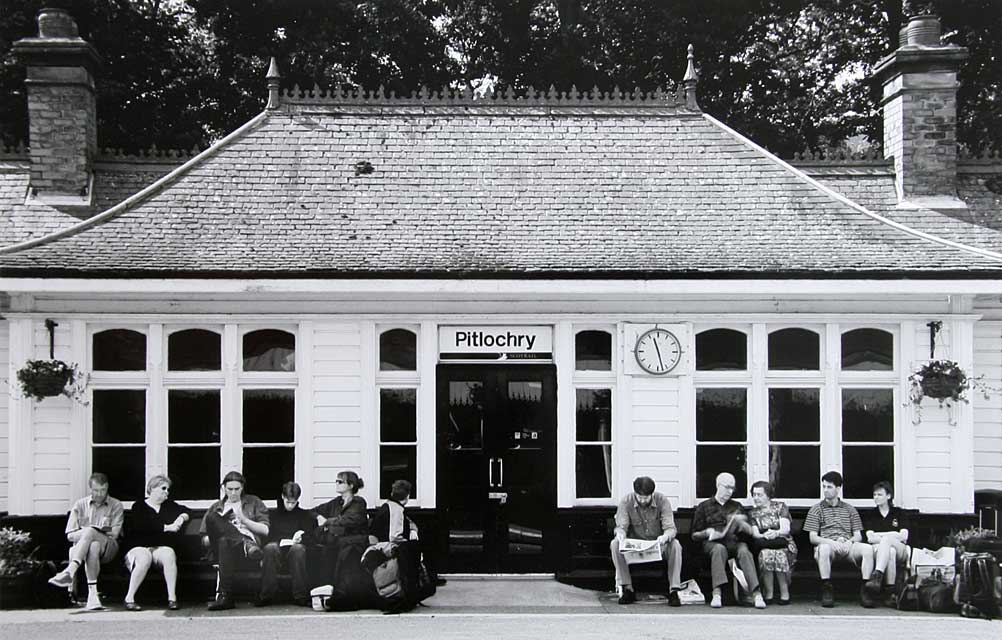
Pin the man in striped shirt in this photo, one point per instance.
(836, 532)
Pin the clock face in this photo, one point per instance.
(658, 351)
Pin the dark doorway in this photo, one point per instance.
(497, 428)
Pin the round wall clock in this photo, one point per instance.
(658, 351)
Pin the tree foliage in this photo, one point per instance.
(792, 74)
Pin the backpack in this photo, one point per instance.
(979, 585)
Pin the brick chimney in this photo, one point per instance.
(920, 115)
(62, 111)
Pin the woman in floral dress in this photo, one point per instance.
(770, 522)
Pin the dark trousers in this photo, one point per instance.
(720, 550)
(229, 546)
(295, 558)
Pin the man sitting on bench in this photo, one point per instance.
(93, 528)
(837, 532)
(646, 515)
(716, 523)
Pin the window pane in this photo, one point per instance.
(795, 470)
(119, 416)
(594, 415)
(593, 469)
(466, 414)
(125, 468)
(267, 469)
(715, 459)
(398, 350)
(194, 350)
(867, 415)
(269, 350)
(867, 350)
(721, 350)
(398, 415)
(721, 414)
(269, 415)
(193, 416)
(593, 351)
(526, 416)
(397, 463)
(119, 350)
(195, 472)
(865, 466)
(794, 349)
(795, 415)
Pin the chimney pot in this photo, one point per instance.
(56, 23)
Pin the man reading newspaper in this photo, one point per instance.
(644, 518)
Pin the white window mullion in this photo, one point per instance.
(156, 409)
(758, 406)
(231, 439)
(831, 403)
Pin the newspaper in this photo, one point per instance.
(637, 551)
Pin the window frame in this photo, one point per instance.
(594, 379)
(695, 432)
(830, 379)
(400, 379)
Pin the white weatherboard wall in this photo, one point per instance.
(51, 428)
(339, 366)
(988, 412)
(7, 372)
(656, 434)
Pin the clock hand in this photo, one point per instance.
(658, 351)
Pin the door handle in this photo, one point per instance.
(490, 472)
(501, 470)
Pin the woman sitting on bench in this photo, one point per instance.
(155, 527)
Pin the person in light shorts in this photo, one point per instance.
(886, 529)
(155, 527)
(836, 531)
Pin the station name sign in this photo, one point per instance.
(495, 342)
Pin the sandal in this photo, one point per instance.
(132, 606)
(173, 605)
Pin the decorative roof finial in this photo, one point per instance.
(690, 80)
(273, 77)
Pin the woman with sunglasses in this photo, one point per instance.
(344, 531)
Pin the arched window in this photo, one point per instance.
(119, 350)
(269, 350)
(593, 351)
(794, 350)
(721, 350)
(194, 350)
(398, 350)
(867, 350)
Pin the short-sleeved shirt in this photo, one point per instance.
(107, 516)
(710, 514)
(645, 522)
(838, 522)
(895, 520)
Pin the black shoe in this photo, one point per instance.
(221, 603)
(173, 605)
(827, 595)
(866, 598)
(673, 600)
(873, 584)
(783, 601)
(262, 602)
(628, 597)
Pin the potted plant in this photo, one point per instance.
(17, 568)
(943, 380)
(970, 539)
(42, 379)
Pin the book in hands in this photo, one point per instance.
(288, 542)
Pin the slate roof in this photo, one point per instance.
(467, 190)
(113, 182)
(979, 185)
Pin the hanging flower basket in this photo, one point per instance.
(42, 379)
(943, 380)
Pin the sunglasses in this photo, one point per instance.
(339, 481)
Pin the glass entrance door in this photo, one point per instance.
(497, 467)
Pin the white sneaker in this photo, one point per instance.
(715, 601)
(63, 579)
(93, 603)
(759, 601)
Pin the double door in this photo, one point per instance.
(497, 467)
